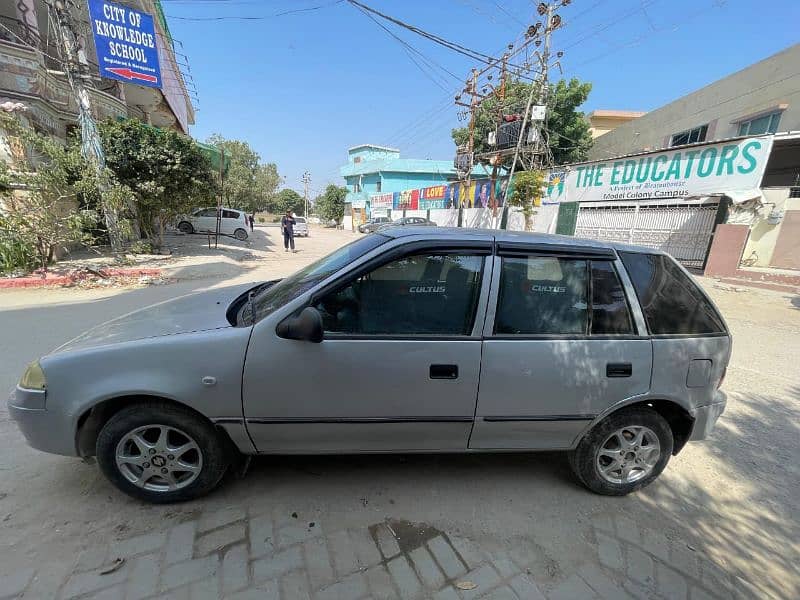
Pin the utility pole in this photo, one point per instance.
(501, 97)
(539, 91)
(306, 180)
(91, 144)
(538, 87)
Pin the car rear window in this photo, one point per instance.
(672, 303)
(545, 295)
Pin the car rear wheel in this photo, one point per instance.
(624, 452)
(240, 234)
(185, 227)
(161, 453)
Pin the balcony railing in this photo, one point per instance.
(18, 32)
(49, 55)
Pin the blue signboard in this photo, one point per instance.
(126, 43)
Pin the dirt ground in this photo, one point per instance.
(722, 521)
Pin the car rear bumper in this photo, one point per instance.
(705, 417)
(43, 429)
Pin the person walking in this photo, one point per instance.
(252, 219)
(287, 226)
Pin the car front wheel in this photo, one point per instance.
(185, 227)
(624, 452)
(161, 453)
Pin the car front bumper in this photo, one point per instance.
(44, 429)
(705, 417)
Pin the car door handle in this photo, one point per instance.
(619, 370)
(444, 372)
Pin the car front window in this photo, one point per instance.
(303, 280)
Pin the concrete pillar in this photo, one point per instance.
(726, 250)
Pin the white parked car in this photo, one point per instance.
(234, 222)
(300, 226)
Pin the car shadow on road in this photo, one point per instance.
(713, 541)
(204, 244)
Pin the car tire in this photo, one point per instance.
(185, 227)
(118, 452)
(623, 453)
(240, 234)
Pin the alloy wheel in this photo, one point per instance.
(628, 455)
(159, 458)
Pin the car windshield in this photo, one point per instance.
(303, 280)
(299, 220)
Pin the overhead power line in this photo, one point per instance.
(409, 48)
(257, 18)
(473, 54)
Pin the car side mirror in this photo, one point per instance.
(307, 326)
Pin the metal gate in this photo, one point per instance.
(682, 230)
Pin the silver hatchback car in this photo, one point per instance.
(410, 340)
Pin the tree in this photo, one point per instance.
(167, 173)
(267, 182)
(527, 194)
(288, 199)
(249, 185)
(568, 129)
(42, 214)
(330, 204)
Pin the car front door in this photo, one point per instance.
(561, 346)
(206, 220)
(398, 367)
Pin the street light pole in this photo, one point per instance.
(306, 180)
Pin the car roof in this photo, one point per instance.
(457, 234)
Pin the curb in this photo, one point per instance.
(56, 280)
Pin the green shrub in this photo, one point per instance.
(141, 247)
(15, 254)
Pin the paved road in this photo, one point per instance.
(720, 523)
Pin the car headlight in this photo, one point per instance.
(33, 377)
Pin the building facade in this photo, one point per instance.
(32, 71)
(603, 121)
(372, 170)
(725, 158)
(762, 98)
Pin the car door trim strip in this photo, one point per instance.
(504, 418)
(337, 420)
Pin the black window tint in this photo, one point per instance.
(542, 295)
(672, 303)
(230, 214)
(209, 212)
(420, 294)
(610, 314)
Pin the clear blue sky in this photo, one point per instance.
(301, 88)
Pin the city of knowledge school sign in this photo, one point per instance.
(126, 43)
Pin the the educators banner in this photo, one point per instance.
(732, 168)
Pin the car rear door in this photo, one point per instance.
(231, 221)
(399, 365)
(561, 345)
